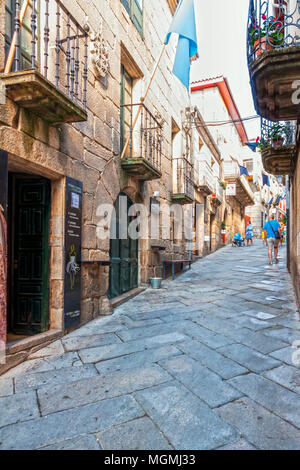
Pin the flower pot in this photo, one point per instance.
(263, 45)
(155, 282)
(278, 142)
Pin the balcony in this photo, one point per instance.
(183, 181)
(243, 192)
(142, 156)
(278, 146)
(218, 196)
(205, 180)
(48, 74)
(274, 57)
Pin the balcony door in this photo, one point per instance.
(123, 255)
(26, 31)
(126, 111)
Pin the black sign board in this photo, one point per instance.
(3, 248)
(73, 229)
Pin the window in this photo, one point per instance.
(126, 112)
(26, 32)
(135, 10)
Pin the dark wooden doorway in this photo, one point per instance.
(29, 215)
(123, 255)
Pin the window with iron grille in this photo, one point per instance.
(135, 10)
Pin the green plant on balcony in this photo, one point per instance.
(267, 35)
(222, 184)
(275, 136)
(223, 225)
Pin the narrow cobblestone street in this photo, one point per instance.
(204, 363)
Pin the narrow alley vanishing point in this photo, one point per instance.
(205, 363)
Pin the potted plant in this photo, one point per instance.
(267, 35)
(277, 134)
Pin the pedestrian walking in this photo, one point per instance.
(249, 233)
(273, 235)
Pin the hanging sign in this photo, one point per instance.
(231, 189)
(3, 251)
(73, 230)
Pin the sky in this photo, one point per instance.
(221, 29)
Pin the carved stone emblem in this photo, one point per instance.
(100, 54)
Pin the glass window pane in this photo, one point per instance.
(8, 24)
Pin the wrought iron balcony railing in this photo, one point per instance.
(278, 144)
(272, 25)
(143, 153)
(277, 134)
(47, 48)
(183, 180)
(232, 175)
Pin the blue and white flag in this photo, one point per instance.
(184, 24)
(266, 180)
(244, 171)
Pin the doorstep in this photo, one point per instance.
(19, 351)
(117, 301)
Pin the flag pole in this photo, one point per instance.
(143, 99)
(12, 49)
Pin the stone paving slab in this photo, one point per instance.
(82, 392)
(54, 377)
(256, 340)
(260, 427)
(54, 349)
(203, 335)
(78, 443)
(285, 355)
(219, 364)
(284, 334)
(136, 360)
(19, 407)
(274, 397)
(185, 420)
(239, 445)
(35, 365)
(83, 342)
(286, 376)
(146, 332)
(69, 359)
(68, 424)
(140, 434)
(253, 360)
(200, 380)
(94, 355)
(6, 387)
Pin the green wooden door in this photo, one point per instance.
(31, 255)
(124, 258)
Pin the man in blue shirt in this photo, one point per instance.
(270, 228)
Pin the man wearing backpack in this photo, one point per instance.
(273, 234)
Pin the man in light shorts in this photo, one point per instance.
(270, 228)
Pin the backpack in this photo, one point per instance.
(276, 233)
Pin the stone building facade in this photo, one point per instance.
(61, 135)
(215, 101)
